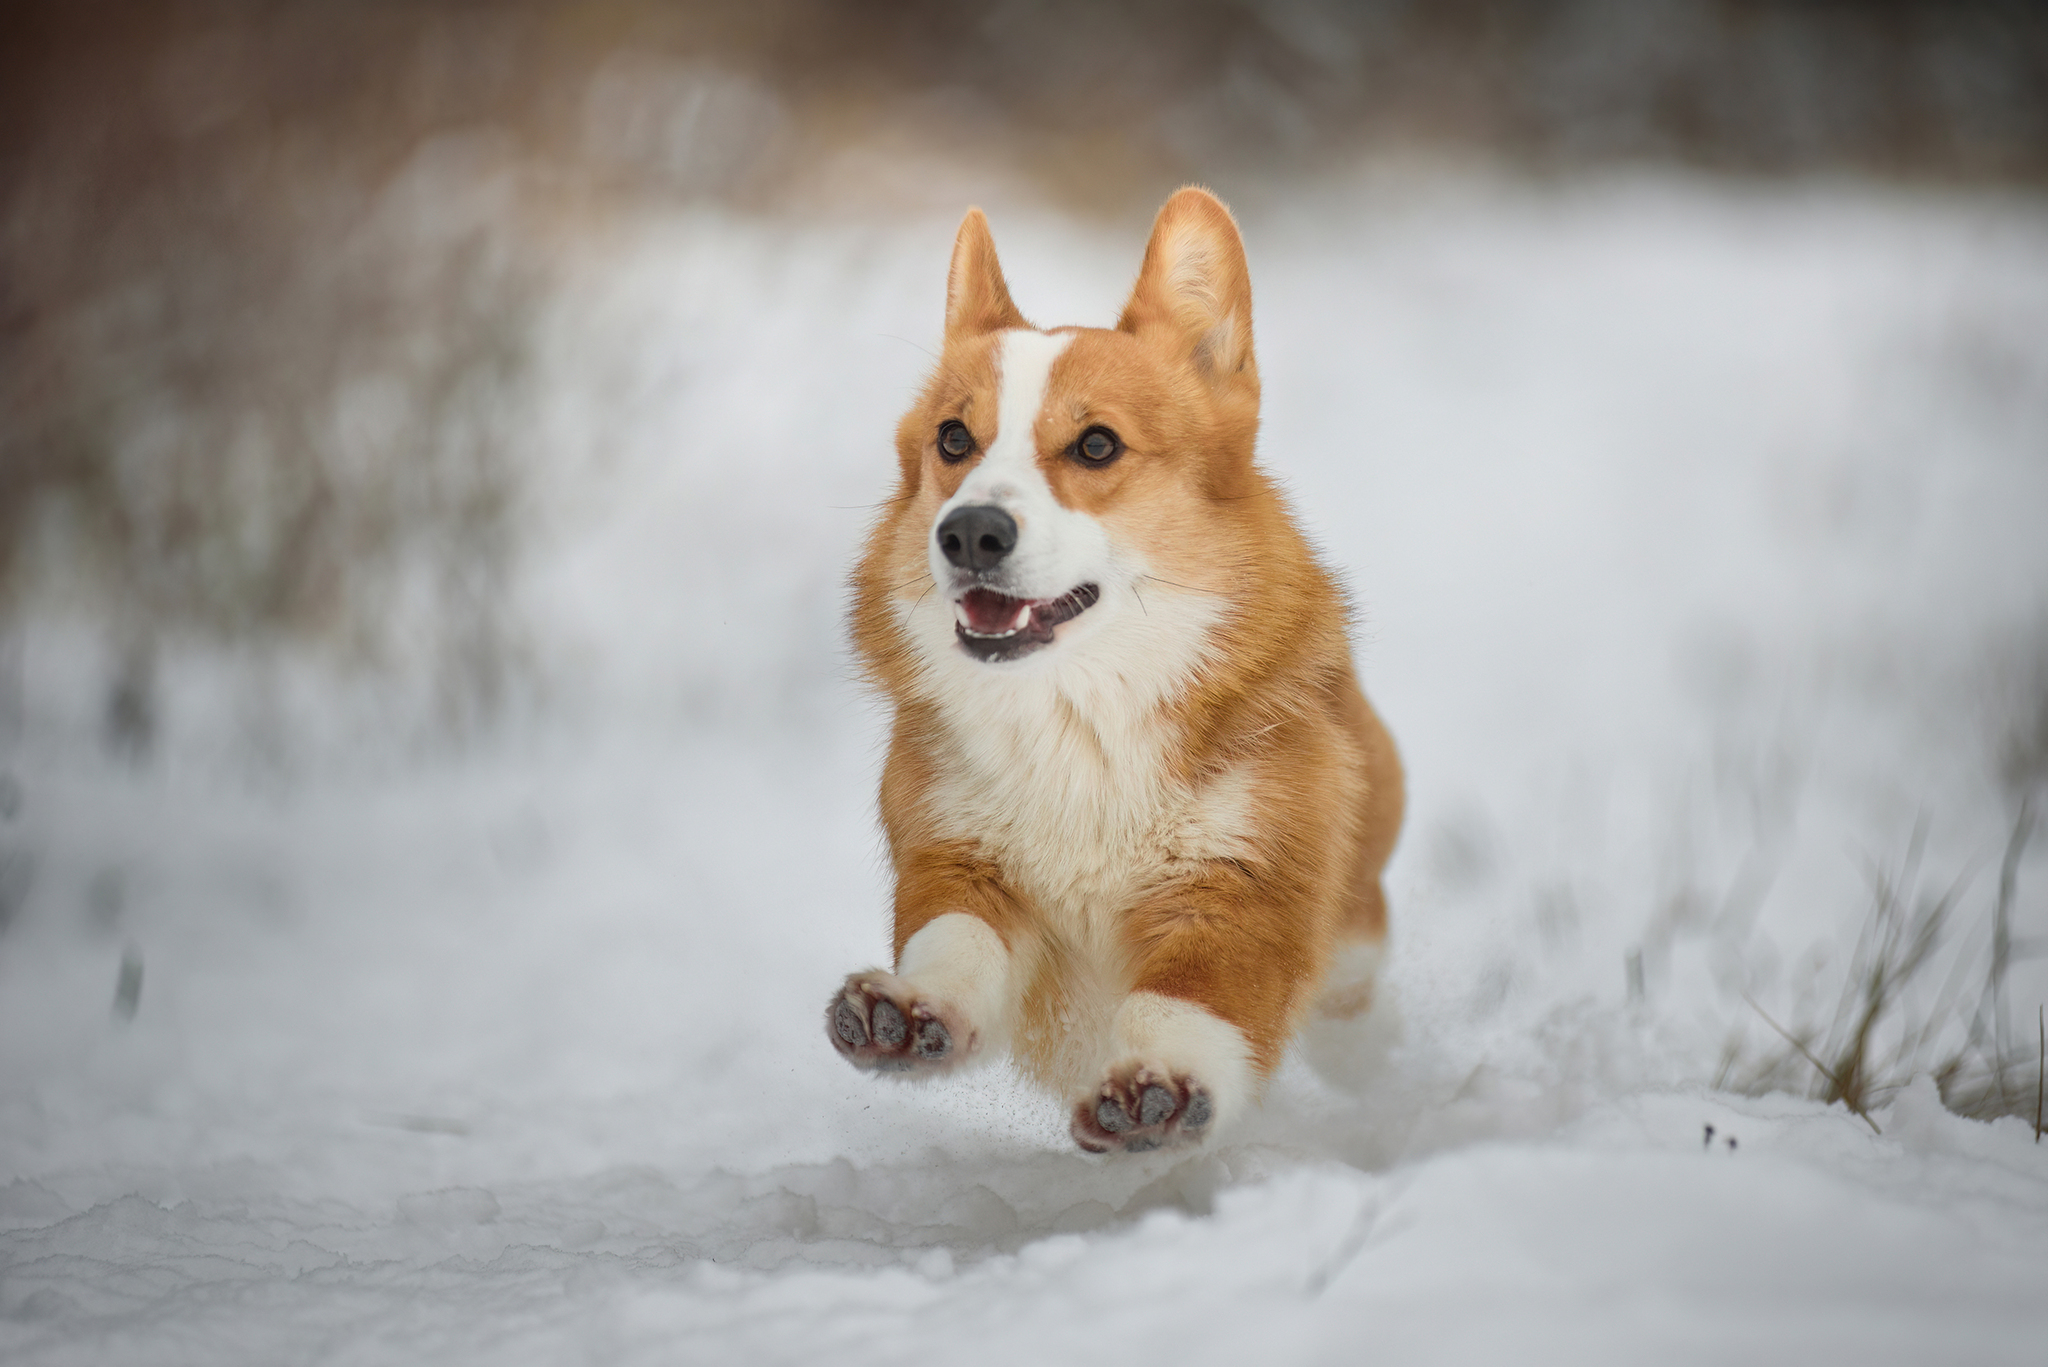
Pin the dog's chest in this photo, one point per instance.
(1083, 802)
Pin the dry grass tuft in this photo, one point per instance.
(1892, 1020)
(2040, 1068)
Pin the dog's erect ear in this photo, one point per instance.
(1194, 291)
(977, 300)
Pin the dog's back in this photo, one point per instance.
(1137, 805)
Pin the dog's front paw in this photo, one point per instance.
(879, 1021)
(1140, 1107)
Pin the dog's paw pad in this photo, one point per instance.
(1139, 1108)
(877, 1021)
(1155, 1104)
(934, 1041)
(848, 1024)
(889, 1026)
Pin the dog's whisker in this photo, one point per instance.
(865, 507)
(955, 376)
(914, 346)
(1214, 593)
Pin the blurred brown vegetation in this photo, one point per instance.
(269, 271)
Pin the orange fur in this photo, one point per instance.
(1213, 840)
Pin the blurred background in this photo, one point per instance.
(274, 273)
(432, 437)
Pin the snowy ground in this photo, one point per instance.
(1697, 531)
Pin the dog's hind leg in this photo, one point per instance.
(1347, 1034)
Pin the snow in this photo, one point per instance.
(1695, 528)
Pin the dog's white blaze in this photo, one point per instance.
(1179, 1037)
(958, 959)
(1057, 547)
(1026, 369)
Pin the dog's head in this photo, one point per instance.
(1057, 481)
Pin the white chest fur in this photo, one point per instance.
(1065, 769)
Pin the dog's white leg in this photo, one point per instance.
(1177, 1073)
(1351, 985)
(1354, 1023)
(958, 959)
(949, 1003)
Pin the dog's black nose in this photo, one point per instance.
(978, 536)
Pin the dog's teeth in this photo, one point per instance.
(965, 619)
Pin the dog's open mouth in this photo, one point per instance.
(995, 626)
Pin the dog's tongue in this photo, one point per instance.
(994, 614)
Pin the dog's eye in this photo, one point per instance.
(955, 441)
(1098, 446)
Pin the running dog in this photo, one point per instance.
(1136, 803)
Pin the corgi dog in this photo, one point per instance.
(1136, 803)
